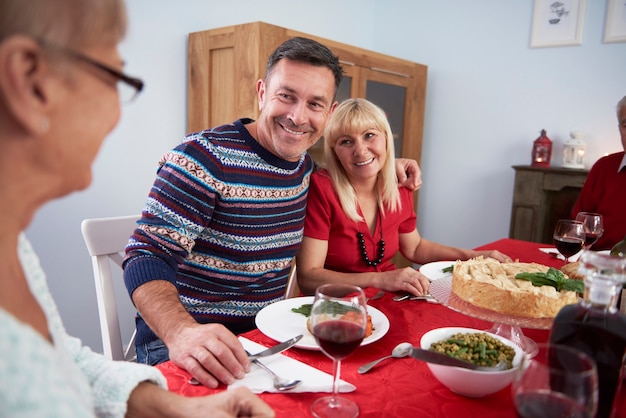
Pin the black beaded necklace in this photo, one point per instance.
(381, 246)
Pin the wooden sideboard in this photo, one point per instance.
(542, 196)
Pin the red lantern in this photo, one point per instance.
(542, 151)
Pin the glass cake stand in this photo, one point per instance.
(506, 326)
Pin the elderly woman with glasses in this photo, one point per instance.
(60, 89)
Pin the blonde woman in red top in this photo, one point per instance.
(357, 215)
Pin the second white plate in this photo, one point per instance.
(434, 270)
(280, 323)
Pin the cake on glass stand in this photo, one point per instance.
(506, 326)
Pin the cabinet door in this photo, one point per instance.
(387, 90)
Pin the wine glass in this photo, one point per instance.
(593, 226)
(569, 237)
(559, 381)
(338, 321)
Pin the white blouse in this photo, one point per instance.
(65, 379)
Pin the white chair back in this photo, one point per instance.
(106, 239)
(292, 289)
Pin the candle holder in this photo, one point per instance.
(574, 151)
(542, 151)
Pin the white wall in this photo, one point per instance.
(488, 97)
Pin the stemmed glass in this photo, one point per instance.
(559, 381)
(569, 237)
(338, 321)
(593, 226)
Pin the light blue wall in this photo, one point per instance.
(489, 95)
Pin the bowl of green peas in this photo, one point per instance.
(474, 346)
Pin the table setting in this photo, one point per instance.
(397, 386)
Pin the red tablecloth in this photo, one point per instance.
(399, 387)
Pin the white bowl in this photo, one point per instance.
(466, 382)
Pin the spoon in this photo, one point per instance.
(401, 350)
(280, 383)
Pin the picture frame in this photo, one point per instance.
(615, 24)
(557, 23)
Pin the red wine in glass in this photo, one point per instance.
(542, 404)
(569, 237)
(338, 321)
(558, 381)
(590, 239)
(338, 338)
(593, 226)
(568, 246)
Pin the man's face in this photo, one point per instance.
(621, 118)
(295, 101)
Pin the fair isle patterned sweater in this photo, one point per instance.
(223, 221)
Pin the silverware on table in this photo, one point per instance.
(401, 350)
(378, 295)
(278, 348)
(445, 360)
(408, 296)
(280, 383)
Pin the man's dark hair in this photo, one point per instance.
(308, 51)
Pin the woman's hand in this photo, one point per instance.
(405, 279)
(503, 258)
(149, 400)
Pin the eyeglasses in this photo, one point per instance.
(128, 87)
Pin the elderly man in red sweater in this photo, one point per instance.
(604, 191)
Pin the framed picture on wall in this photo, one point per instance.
(615, 25)
(557, 23)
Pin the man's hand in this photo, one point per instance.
(210, 352)
(409, 173)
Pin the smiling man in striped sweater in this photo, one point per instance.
(225, 218)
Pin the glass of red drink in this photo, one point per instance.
(593, 226)
(559, 381)
(569, 237)
(338, 322)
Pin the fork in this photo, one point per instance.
(280, 383)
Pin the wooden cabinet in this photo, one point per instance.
(224, 65)
(541, 197)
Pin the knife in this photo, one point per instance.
(443, 359)
(278, 348)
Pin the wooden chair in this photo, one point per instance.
(106, 239)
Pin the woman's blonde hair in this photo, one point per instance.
(357, 115)
(65, 23)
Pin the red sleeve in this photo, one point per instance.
(317, 222)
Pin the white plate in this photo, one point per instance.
(433, 271)
(280, 323)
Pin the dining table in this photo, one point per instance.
(402, 387)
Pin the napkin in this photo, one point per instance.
(558, 255)
(259, 381)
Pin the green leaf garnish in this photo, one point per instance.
(304, 309)
(330, 307)
(554, 278)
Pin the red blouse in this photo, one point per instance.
(326, 220)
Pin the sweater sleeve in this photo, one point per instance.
(87, 374)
